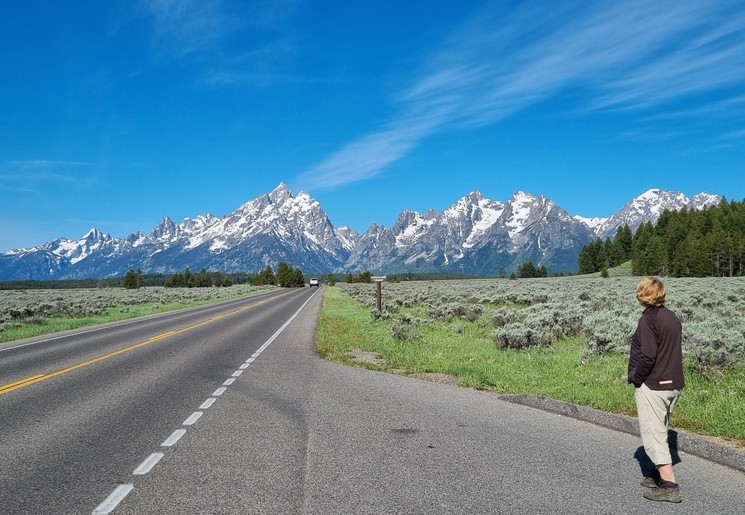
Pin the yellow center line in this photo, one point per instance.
(20, 383)
(43, 377)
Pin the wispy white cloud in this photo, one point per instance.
(368, 156)
(710, 58)
(184, 27)
(734, 106)
(27, 176)
(631, 55)
(263, 79)
(37, 164)
(735, 135)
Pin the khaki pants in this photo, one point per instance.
(653, 408)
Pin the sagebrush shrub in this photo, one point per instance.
(403, 331)
(608, 331)
(520, 336)
(504, 316)
(714, 344)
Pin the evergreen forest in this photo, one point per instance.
(686, 243)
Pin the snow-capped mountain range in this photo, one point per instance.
(647, 207)
(473, 236)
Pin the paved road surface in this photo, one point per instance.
(294, 434)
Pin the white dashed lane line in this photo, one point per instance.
(171, 440)
(219, 391)
(113, 500)
(209, 402)
(229, 381)
(192, 418)
(148, 464)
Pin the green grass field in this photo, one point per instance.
(112, 305)
(464, 350)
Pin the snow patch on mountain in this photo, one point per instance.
(592, 223)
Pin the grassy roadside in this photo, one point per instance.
(464, 351)
(57, 323)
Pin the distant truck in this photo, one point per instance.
(314, 282)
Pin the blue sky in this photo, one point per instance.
(118, 113)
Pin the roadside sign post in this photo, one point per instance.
(379, 291)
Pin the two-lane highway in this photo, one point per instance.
(79, 412)
(228, 410)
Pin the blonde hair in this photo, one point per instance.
(651, 292)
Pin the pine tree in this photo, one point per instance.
(639, 249)
(266, 277)
(586, 260)
(296, 278)
(655, 257)
(133, 280)
(602, 257)
(699, 252)
(202, 279)
(526, 270)
(620, 248)
(175, 281)
(330, 279)
(284, 275)
(188, 278)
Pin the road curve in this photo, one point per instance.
(237, 416)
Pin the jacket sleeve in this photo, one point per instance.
(647, 352)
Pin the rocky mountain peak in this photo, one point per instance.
(407, 217)
(430, 214)
(703, 199)
(94, 235)
(521, 197)
(165, 230)
(280, 194)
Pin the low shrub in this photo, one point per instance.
(714, 345)
(503, 316)
(520, 336)
(608, 331)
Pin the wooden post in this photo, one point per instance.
(379, 291)
(379, 299)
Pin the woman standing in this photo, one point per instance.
(656, 371)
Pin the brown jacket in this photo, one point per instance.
(656, 357)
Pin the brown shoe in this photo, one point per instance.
(649, 482)
(665, 491)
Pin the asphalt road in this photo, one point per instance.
(236, 414)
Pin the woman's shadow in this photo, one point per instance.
(645, 464)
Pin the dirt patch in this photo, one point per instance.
(437, 378)
(372, 358)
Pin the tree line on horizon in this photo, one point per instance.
(286, 276)
(687, 243)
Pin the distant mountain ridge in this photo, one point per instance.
(648, 207)
(475, 236)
